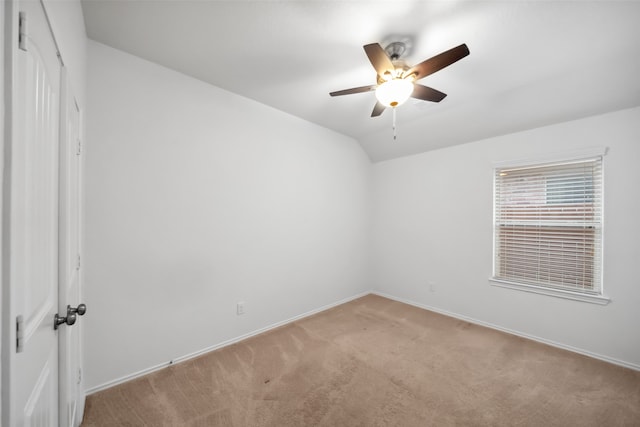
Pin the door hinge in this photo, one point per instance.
(79, 149)
(22, 31)
(79, 375)
(19, 334)
(78, 263)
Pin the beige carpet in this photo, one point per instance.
(377, 362)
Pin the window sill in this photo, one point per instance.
(576, 296)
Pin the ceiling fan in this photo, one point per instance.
(396, 81)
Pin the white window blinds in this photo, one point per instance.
(548, 225)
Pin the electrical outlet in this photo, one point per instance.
(240, 308)
(432, 286)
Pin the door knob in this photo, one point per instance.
(81, 309)
(69, 319)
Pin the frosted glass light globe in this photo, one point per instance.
(394, 92)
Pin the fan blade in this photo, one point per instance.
(377, 109)
(427, 94)
(438, 62)
(379, 58)
(354, 90)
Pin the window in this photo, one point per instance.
(548, 227)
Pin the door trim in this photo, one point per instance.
(10, 39)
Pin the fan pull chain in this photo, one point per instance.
(394, 124)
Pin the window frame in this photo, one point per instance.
(597, 297)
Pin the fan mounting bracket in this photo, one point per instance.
(397, 46)
(395, 50)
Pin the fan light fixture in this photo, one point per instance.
(394, 92)
(397, 81)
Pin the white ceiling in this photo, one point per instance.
(532, 63)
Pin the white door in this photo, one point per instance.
(31, 234)
(71, 396)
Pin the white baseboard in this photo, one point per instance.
(186, 357)
(343, 301)
(513, 332)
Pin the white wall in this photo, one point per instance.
(196, 199)
(433, 223)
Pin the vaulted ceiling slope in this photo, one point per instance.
(532, 63)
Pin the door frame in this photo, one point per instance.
(3, 31)
(7, 343)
